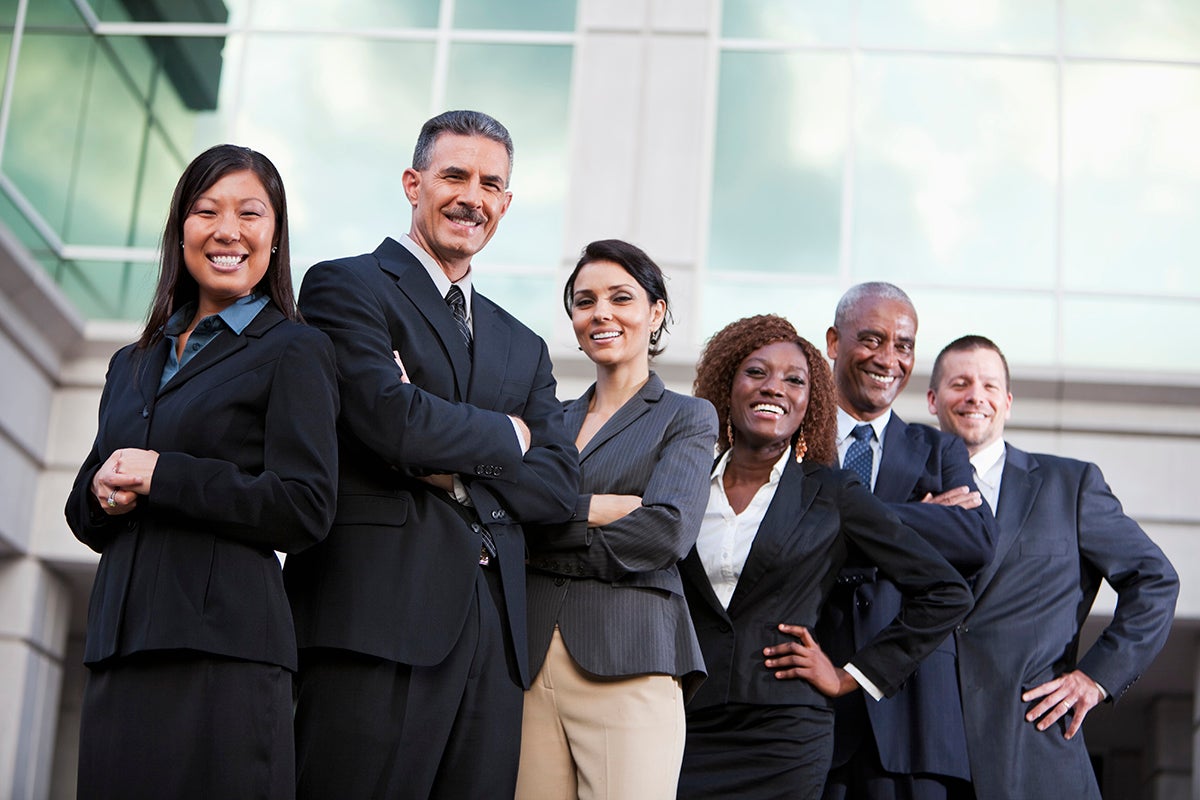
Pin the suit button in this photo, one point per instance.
(145, 412)
(864, 603)
(559, 581)
(479, 470)
(475, 526)
(499, 470)
(723, 628)
(497, 514)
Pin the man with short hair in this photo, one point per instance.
(1061, 531)
(911, 745)
(410, 616)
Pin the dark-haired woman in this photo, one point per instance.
(776, 530)
(610, 640)
(215, 448)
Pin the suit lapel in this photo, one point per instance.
(414, 282)
(783, 521)
(904, 456)
(1019, 487)
(222, 347)
(625, 416)
(151, 369)
(692, 570)
(492, 340)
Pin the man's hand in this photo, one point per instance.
(1073, 691)
(961, 496)
(806, 660)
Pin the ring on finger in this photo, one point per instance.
(112, 499)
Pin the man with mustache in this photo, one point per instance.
(910, 745)
(410, 616)
(1061, 531)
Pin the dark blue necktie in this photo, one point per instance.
(458, 307)
(859, 457)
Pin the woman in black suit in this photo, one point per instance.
(215, 448)
(775, 533)
(610, 639)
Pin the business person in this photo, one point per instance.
(215, 448)
(778, 526)
(913, 744)
(1026, 690)
(610, 639)
(411, 614)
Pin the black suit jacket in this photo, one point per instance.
(817, 514)
(1061, 532)
(247, 466)
(921, 728)
(395, 578)
(614, 591)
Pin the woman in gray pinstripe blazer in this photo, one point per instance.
(610, 637)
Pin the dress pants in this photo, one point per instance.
(756, 752)
(864, 778)
(371, 728)
(599, 738)
(183, 724)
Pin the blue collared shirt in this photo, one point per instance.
(235, 317)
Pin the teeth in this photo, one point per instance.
(770, 408)
(226, 261)
(975, 415)
(884, 379)
(605, 335)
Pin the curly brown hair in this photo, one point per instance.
(730, 346)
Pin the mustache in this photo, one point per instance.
(467, 215)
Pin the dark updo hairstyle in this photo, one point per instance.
(640, 267)
(176, 286)
(730, 346)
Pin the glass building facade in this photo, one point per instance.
(1025, 168)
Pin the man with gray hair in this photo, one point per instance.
(911, 745)
(410, 615)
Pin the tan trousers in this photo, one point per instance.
(590, 737)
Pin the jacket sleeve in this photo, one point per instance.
(660, 532)
(289, 504)
(1115, 547)
(84, 516)
(936, 597)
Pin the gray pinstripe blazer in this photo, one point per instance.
(614, 591)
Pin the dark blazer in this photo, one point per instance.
(396, 576)
(816, 515)
(614, 591)
(247, 466)
(921, 728)
(1061, 532)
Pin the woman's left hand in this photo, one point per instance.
(806, 660)
(138, 462)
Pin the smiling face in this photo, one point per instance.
(972, 399)
(873, 355)
(769, 396)
(458, 199)
(612, 314)
(227, 238)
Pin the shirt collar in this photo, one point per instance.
(988, 457)
(236, 316)
(435, 272)
(847, 423)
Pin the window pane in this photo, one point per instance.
(1138, 28)
(1132, 177)
(1112, 333)
(955, 171)
(347, 13)
(800, 21)
(56, 13)
(808, 306)
(160, 173)
(531, 15)
(340, 127)
(533, 299)
(780, 148)
(527, 88)
(109, 290)
(1021, 323)
(46, 110)
(1011, 25)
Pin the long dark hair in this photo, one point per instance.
(176, 287)
(640, 267)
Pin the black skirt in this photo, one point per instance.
(182, 724)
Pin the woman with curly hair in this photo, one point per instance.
(779, 521)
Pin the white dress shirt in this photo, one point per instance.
(725, 537)
(988, 464)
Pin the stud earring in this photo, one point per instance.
(274, 249)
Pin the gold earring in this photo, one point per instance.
(729, 431)
(801, 446)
